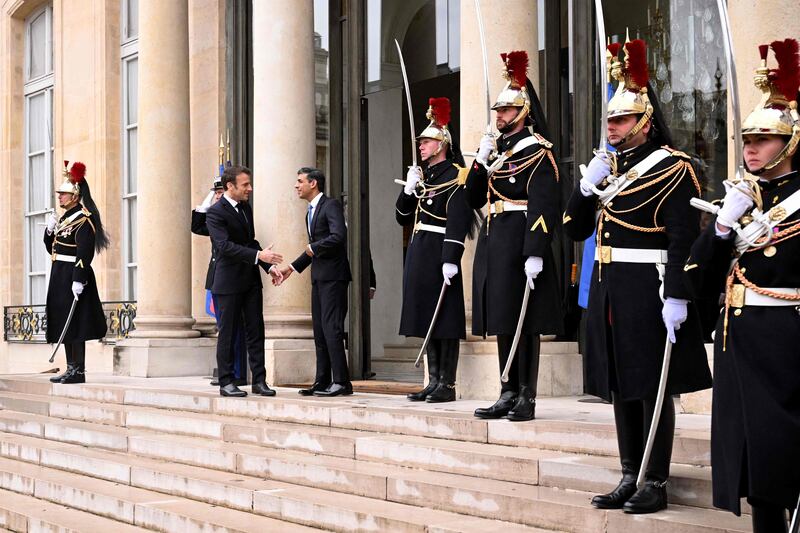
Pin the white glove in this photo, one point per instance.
(674, 314)
(486, 148)
(51, 223)
(598, 170)
(448, 271)
(736, 204)
(202, 208)
(533, 266)
(413, 176)
(77, 288)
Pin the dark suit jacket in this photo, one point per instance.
(199, 227)
(328, 240)
(236, 248)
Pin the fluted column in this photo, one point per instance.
(163, 205)
(283, 136)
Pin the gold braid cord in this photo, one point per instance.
(435, 190)
(676, 172)
(534, 159)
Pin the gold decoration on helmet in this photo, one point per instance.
(515, 93)
(631, 96)
(72, 178)
(776, 113)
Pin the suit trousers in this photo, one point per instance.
(240, 309)
(328, 310)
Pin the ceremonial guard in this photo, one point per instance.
(751, 253)
(637, 199)
(433, 201)
(518, 178)
(72, 242)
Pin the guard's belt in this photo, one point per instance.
(607, 254)
(501, 206)
(742, 296)
(65, 258)
(429, 227)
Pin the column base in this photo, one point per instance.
(164, 327)
(162, 357)
(206, 325)
(288, 326)
(290, 361)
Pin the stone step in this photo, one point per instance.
(23, 513)
(303, 505)
(130, 505)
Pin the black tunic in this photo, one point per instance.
(427, 251)
(73, 236)
(624, 298)
(755, 416)
(507, 239)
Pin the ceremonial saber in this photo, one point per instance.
(733, 89)
(601, 60)
(517, 333)
(662, 388)
(64, 331)
(485, 66)
(433, 323)
(794, 527)
(408, 103)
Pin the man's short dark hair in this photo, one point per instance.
(230, 173)
(314, 174)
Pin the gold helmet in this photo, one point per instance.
(631, 96)
(73, 178)
(776, 113)
(515, 93)
(439, 115)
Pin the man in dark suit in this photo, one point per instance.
(237, 281)
(199, 227)
(330, 276)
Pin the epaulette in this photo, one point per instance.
(677, 153)
(86, 212)
(542, 141)
(462, 174)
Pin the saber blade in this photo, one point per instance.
(601, 61)
(651, 436)
(408, 103)
(64, 331)
(433, 323)
(733, 89)
(517, 333)
(485, 66)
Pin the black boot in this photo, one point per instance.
(68, 352)
(528, 354)
(433, 359)
(446, 391)
(768, 518)
(500, 408)
(508, 389)
(77, 374)
(629, 421)
(653, 496)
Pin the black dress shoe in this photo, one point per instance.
(58, 378)
(420, 396)
(336, 389)
(617, 497)
(524, 408)
(232, 390)
(317, 386)
(75, 375)
(262, 389)
(649, 499)
(443, 393)
(500, 408)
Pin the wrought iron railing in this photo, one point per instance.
(28, 323)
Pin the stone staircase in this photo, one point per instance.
(126, 454)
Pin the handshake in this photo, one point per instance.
(278, 275)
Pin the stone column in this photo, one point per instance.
(283, 135)
(164, 342)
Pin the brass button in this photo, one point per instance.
(606, 235)
(737, 312)
(775, 200)
(743, 270)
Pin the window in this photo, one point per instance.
(130, 117)
(38, 94)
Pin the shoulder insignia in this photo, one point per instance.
(79, 264)
(677, 153)
(539, 224)
(542, 141)
(86, 212)
(462, 174)
(566, 218)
